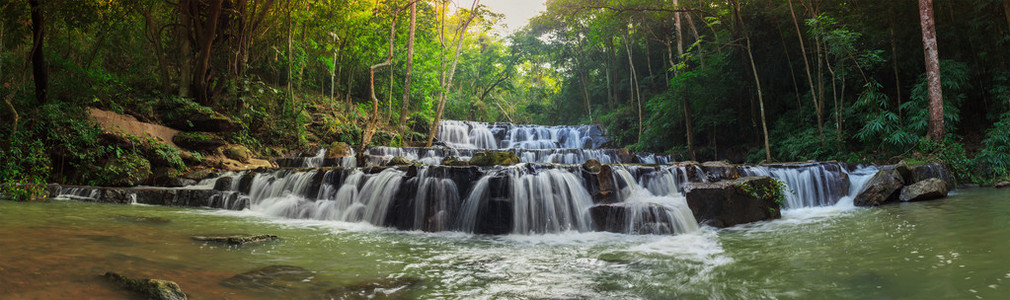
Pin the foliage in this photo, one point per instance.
(776, 191)
(25, 168)
(994, 159)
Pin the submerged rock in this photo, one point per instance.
(489, 158)
(727, 203)
(883, 187)
(1004, 184)
(155, 289)
(235, 239)
(928, 189)
(275, 278)
(142, 219)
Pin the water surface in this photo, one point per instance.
(949, 249)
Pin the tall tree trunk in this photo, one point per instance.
(291, 59)
(154, 37)
(583, 78)
(333, 71)
(633, 86)
(447, 82)
(688, 124)
(757, 83)
(894, 61)
(936, 129)
(40, 70)
(203, 75)
(185, 55)
(810, 77)
(410, 66)
(366, 136)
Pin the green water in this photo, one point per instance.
(957, 248)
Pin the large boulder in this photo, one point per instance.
(238, 152)
(928, 189)
(187, 115)
(731, 202)
(399, 161)
(492, 158)
(719, 170)
(927, 171)
(592, 166)
(155, 289)
(626, 156)
(883, 187)
(198, 141)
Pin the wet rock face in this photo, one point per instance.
(592, 166)
(928, 189)
(155, 289)
(884, 187)
(236, 239)
(728, 203)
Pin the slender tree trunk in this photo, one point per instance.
(202, 83)
(291, 59)
(347, 97)
(688, 124)
(410, 66)
(583, 77)
(820, 88)
(932, 56)
(694, 31)
(810, 77)
(185, 55)
(792, 72)
(446, 84)
(154, 37)
(333, 71)
(40, 70)
(894, 61)
(1006, 11)
(633, 84)
(757, 83)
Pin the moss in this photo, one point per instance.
(494, 159)
(238, 152)
(399, 161)
(156, 289)
(453, 161)
(199, 141)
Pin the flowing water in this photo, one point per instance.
(946, 249)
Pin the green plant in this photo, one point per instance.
(776, 191)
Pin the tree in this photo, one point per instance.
(40, 70)
(936, 129)
(410, 65)
(446, 80)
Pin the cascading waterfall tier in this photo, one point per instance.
(479, 135)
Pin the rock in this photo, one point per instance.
(198, 175)
(245, 184)
(235, 239)
(1003, 184)
(621, 218)
(399, 161)
(189, 159)
(276, 278)
(592, 166)
(223, 183)
(238, 152)
(906, 172)
(928, 189)
(187, 115)
(489, 158)
(927, 171)
(719, 170)
(127, 170)
(727, 203)
(198, 141)
(883, 187)
(453, 161)
(142, 219)
(626, 156)
(338, 150)
(606, 192)
(155, 289)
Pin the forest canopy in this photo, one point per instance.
(738, 80)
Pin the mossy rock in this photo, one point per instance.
(182, 113)
(127, 170)
(198, 175)
(156, 289)
(453, 161)
(198, 141)
(399, 161)
(592, 166)
(494, 159)
(235, 239)
(338, 150)
(238, 152)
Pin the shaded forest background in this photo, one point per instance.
(841, 80)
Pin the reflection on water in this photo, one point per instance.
(950, 249)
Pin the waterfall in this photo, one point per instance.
(650, 205)
(810, 185)
(549, 201)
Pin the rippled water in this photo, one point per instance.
(956, 248)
